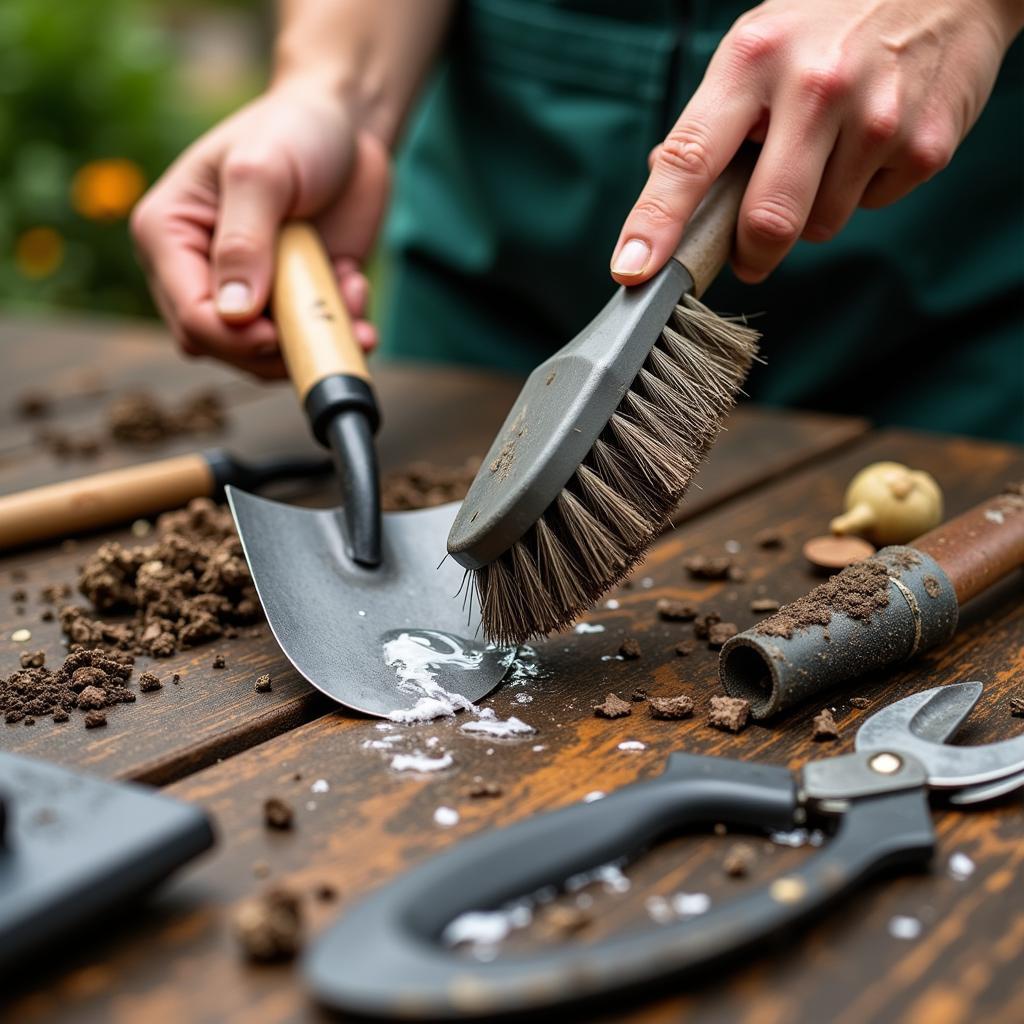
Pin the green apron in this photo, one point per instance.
(530, 146)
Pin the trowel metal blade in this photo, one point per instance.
(332, 617)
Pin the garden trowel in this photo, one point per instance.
(356, 599)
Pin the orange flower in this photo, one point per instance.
(38, 252)
(107, 189)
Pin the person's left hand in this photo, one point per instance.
(856, 102)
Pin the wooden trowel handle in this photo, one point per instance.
(707, 240)
(74, 506)
(314, 326)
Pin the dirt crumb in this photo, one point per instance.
(1017, 707)
(685, 648)
(824, 726)
(278, 814)
(149, 681)
(32, 659)
(95, 719)
(739, 859)
(479, 790)
(325, 892)
(630, 648)
(613, 707)
(670, 708)
(769, 537)
(263, 684)
(720, 632)
(932, 587)
(92, 698)
(764, 605)
(860, 703)
(639, 695)
(269, 927)
(142, 419)
(703, 623)
(33, 404)
(219, 662)
(729, 713)
(858, 591)
(675, 611)
(708, 567)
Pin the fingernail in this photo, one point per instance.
(234, 297)
(632, 258)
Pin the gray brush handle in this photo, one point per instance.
(707, 240)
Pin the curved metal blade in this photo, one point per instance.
(332, 617)
(920, 723)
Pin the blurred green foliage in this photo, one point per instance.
(82, 81)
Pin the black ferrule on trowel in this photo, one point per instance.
(775, 672)
(342, 412)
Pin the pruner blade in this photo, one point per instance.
(921, 723)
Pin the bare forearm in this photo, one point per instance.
(375, 52)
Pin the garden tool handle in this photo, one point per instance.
(386, 956)
(101, 499)
(315, 329)
(707, 240)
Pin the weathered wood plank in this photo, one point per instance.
(180, 961)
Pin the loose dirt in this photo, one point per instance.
(671, 708)
(729, 714)
(613, 707)
(824, 726)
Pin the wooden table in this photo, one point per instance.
(215, 741)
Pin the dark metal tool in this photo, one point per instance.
(386, 957)
(928, 582)
(75, 847)
(338, 584)
(119, 495)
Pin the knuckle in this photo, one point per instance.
(686, 151)
(929, 154)
(754, 43)
(252, 167)
(881, 126)
(773, 222)
(824, 85)
(237, 247)
(655, 210)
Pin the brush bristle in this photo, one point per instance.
(629, 484)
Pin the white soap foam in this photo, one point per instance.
(582, 628)
(611, 603)
(608, 875)
(497, 728)
(484, 928)
(594, 794)
(961, 867)
(691, 904)
(632, 745)
(419, 762)
(446, 817)
(320, 786)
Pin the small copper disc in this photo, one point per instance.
(829, 553)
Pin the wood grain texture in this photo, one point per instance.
(178, 959)
(440, 414)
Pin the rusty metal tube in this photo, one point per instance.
(928, 582)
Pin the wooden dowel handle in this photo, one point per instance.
(64, 509)
(707, 241)
(317, 340)
(979, 547)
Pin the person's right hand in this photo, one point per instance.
(205, 231)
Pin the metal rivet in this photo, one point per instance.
(886, 764)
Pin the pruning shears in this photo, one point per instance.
(386, 958)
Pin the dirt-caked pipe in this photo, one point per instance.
(785, 659)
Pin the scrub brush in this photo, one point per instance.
(605, 437)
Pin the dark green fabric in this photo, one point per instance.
(530, 145)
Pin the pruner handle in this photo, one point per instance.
(386, 955)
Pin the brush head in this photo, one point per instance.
(595, 455)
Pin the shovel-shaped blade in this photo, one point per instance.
(333, 617)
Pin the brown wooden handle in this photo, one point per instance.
(707, 241)
(316, 331)
(61, 510)
(980, 546)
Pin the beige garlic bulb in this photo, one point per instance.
(888, 503)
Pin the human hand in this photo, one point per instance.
(205, 231)
(856, 103)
